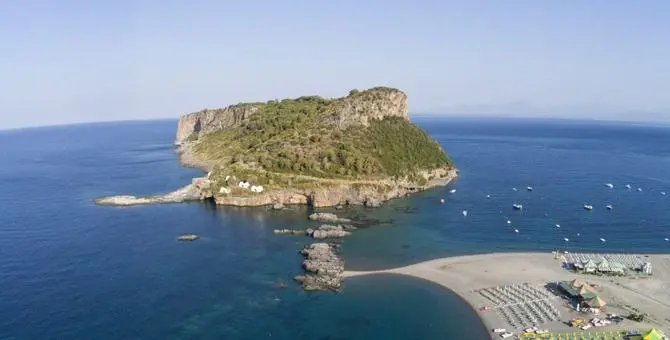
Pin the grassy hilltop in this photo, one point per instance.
(298, 136)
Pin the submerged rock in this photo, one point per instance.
(322, 232)
(328, 217)
(332, 231)
(323, 266)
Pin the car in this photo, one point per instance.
(506, 335)
(499, 330)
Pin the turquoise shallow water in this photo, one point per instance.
(73, 270)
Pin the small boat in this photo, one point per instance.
(452, 191)
(628, 186)
(609, 207)
(529, 188)
(578, 234)
(566, 239)
(517, 206)
(667, 239)
(602, 239)
(514, 189)
(663, 193)
(509, 222)
(588, 207)
(639, 189)
(610, 185)
(441, 200)
(558, 226)
(516, 231)
(488, 196)
(465, 213)
(188, 237)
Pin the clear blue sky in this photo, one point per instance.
(74, 61)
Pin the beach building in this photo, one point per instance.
(582, 292)
(646, 268)
(595, 302)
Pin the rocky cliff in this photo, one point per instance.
(358, 108)
(193, 125)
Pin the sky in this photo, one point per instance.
(73, 61)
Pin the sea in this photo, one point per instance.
(72, 270)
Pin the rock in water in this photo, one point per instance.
(199, 189)
(328, 217)
(323, 268)
(332, 231)
(373, 203)
(278, 206)
(322, 232)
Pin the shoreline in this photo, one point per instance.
(466, 275)
(341, 192)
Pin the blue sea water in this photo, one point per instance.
(73, 270)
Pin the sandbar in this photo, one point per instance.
(467, 275)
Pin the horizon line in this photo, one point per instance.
(424, 114)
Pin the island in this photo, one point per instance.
(360, 149)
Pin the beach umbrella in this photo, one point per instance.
(653, 334)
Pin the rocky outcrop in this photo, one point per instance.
(193, 125)
(322, 232)
(359, 108)
(328, 217)
(373, 203)
(323, 267)
(332, 231)
(197, 190)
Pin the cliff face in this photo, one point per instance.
(358, 108)
(206, 121)
(361, 107)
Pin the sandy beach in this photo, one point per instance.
(466, 275)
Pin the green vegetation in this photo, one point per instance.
(300, 136)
